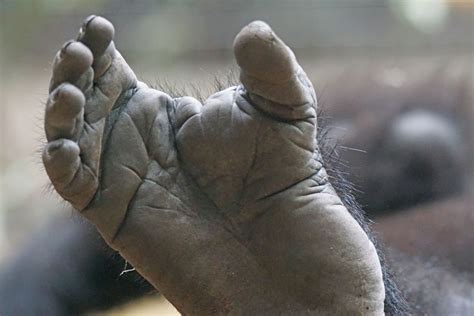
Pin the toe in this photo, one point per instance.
(72, 61)
(270, 73)
(73, 180)
(61, 160)
(64, 112)
(261, 54)
(96, 33)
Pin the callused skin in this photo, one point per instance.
(225, 207)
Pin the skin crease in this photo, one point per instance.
(87, 273)
(98, 254)
(143, 168)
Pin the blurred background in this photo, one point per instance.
(349, 48)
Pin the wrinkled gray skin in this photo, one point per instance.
(225, 207)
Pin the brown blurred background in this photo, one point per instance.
(189, 41)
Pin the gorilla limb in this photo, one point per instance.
(119, 263)
(143, 167)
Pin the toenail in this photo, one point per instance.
(87, 21)
(56, 94)
(84, 26)
(64, 48)
(55, 146)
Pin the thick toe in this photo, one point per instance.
(64, 112)
(96, 33)
(261, 54)
(61, 160)
(271, 75)
(72, 61)
(73, 180)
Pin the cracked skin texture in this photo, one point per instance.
(225, 207)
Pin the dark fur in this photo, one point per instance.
(395, 304)
(391, 174)
(432, 288)
(441, 230)
(66, 269)
(90, 272)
